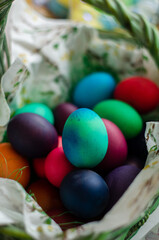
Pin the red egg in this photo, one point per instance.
(139, 92)
(117, 148)
(46, 195)
(57, 166)
(38, 165)
(59, 141)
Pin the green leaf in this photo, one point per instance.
(4, 53)
(140, 29)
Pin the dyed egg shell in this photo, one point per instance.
(57, 166)
(119, 180)
(13, 165)
(61, 113)
(93, 89)
(65, 219)
(37, 108)
(122, 114)
(38, 166)
(141, 93)
(59, 141)
(58, 9)
(84, 193)
(117, 147)
(135, 161)
(46, 195)
(84, 138)
(137, 146)
(32, 135)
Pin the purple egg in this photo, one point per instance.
(31, 135)
(119, 180)
(61, 113)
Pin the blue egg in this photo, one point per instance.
(57, 9)
(93, 89)
(84, 193)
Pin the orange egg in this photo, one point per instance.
(13, 165)
(46, 195)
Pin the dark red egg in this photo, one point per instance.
(38, 165)
(61, 113)
(117, 148)
(64, 218)
(31, 135)
(141, 93)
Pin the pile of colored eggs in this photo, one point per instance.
(86, 153)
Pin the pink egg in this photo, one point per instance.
(57, 166)
(117, 148)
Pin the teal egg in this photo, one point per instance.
(93, 88)
(58, 9)
(84, 138)
(122, 114)
(37, 108)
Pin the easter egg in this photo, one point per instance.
(37, 108)
(136, 161)
(137, 145)
(93, 89)
(31, 135)
(58, 9)
(46, 195)
(38, 166)
(122, 114)
(13, 165)
(57, 166)
(84, 193)
(141, 93)
(65, 219)
(61, 113)
(119, 180)
(84, 138)
(117, 147)
(59, 141)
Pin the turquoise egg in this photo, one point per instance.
(84, 138)
(57, 9)
(93, 89)
(37, 108)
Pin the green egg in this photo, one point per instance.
(37, 108)
(122, 114)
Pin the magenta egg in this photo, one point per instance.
(117, 148)
(57, 166)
